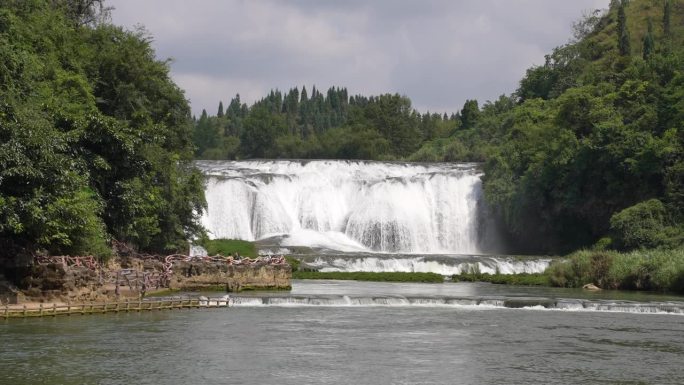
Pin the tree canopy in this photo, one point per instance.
(95, 139)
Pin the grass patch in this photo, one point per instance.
(523, 279)
(369, 276)
(162, 293)
(656, 270)
(293, 262)
(230, 246)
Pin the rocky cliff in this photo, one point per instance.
(81, 279)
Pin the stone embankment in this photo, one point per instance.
(259, 274)
(83, 279)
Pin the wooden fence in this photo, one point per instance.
(54, 310)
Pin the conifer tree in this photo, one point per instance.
(623, 33)
(469, 114)
(304, 97)
(648, 41)
(220, 110)
(667, 14)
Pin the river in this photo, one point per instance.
(317, 334)
(363, 216)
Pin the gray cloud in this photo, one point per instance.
(437, 52)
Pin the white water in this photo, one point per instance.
(444, 266)
(349, 205)
(674, 308)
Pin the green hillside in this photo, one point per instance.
(594, 145)
(95, 139)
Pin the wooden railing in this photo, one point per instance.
(53, 310)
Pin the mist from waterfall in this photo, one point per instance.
(349, 205)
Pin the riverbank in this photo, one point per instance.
(64, 279)
(523, 279)
(649, 270)
(642, 270)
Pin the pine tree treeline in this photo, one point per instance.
(333, 124)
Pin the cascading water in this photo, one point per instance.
(443, 265)
(349, 205)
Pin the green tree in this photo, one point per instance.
(649, 44)
(260, 131)
(205, 135)
(667, 18)
(640, 226)
(96, 140)
(622, 31)
(469, 114)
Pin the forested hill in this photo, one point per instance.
(588, 149)
(95, 139)
(594, 146)
(316, 125)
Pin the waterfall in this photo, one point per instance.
(348, 205)
(427, 264)
(469, 302)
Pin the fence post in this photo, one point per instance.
(24, 310)
(41, 309)
(6, 310)
(54, 309)
(69, 307)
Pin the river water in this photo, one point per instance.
(334, 332)
(363, 216)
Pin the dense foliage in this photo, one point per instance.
(95, 139)
(334, 125)
(596, 130)
(661, 270)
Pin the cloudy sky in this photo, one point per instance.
(437, 52)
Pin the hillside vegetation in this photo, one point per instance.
(95, 139)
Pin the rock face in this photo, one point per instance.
(232, 278)
(57, 281)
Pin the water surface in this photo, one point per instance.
(352, 344)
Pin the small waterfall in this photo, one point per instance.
(444, 265)
(349, 205)
(482, 303)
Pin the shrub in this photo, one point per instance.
(661, 270)
(603, 244)
(640, 226)
(293, 262)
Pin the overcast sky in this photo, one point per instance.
(437, 52)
